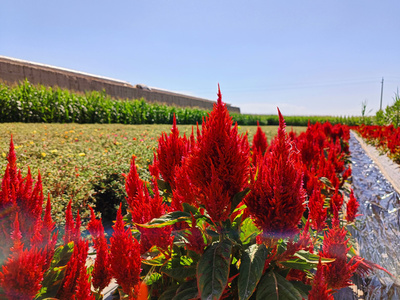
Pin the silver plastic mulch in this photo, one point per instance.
(378, 227)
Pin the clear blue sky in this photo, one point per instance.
(307, 57)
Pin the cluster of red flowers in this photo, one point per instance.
(28, 245)
(218, 174)
(384, 137)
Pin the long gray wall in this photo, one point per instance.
(15, 70)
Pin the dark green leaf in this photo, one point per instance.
(187, 294)
(238, 198)
(53, 277)
(303, 289)
(274, 286)
(178, 272)
(213, 270)
(169, 293)
(251, 268)
(189, 208)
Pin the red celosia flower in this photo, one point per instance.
(22, 274)
(184, 192)
(125, 258)
(336, 199)
(305, 242)
(317, 212)
(216, 199)
(20, 196)
(352, 207)
(319, 290)
(276, 199)
(23, 271)
(144, 208)
(160, 237)
(48, 223)
(171, 149)
(74, 270)
(132, 182)
(346, 174)
(338, 273)
(296, 275)
(16, 237)
(72, 230)
(83, 287)
(327, 169)
(101, 275)
(219, 145)
(310, 144)
(260, 144)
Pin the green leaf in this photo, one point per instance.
(213, 270)
(303, 289)
(154, 258)
(251, 268)
(297, 263)
(312, 258)
(53, 277)
(274, 286)
(169, 293)
(163, 185)
(167, 219)
(178, 272)
(189, 208)
(238, 198)
(248, 231)
(304, 261)
(187, 294)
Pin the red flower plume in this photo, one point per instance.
(22, 274)
(276, 199)
(125, 258)
(171, 149)
(101, 275)
(220, 155)
(72, 230)
(74, 270)
(352, 207)
(317, 212)
(260, 144)
(338, 273)
(319, 288)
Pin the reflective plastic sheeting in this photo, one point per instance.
(378, 227)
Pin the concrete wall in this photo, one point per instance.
(15, 70)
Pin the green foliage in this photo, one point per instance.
(251, 269)
(28, 103)
(213, 270)
(300, 120)
(274, 286)
(391, 114)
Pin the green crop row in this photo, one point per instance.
(28, 103)
(247, 119)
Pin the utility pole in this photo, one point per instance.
(381, 94)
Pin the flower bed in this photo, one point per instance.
(385, 138)
(217, 219)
